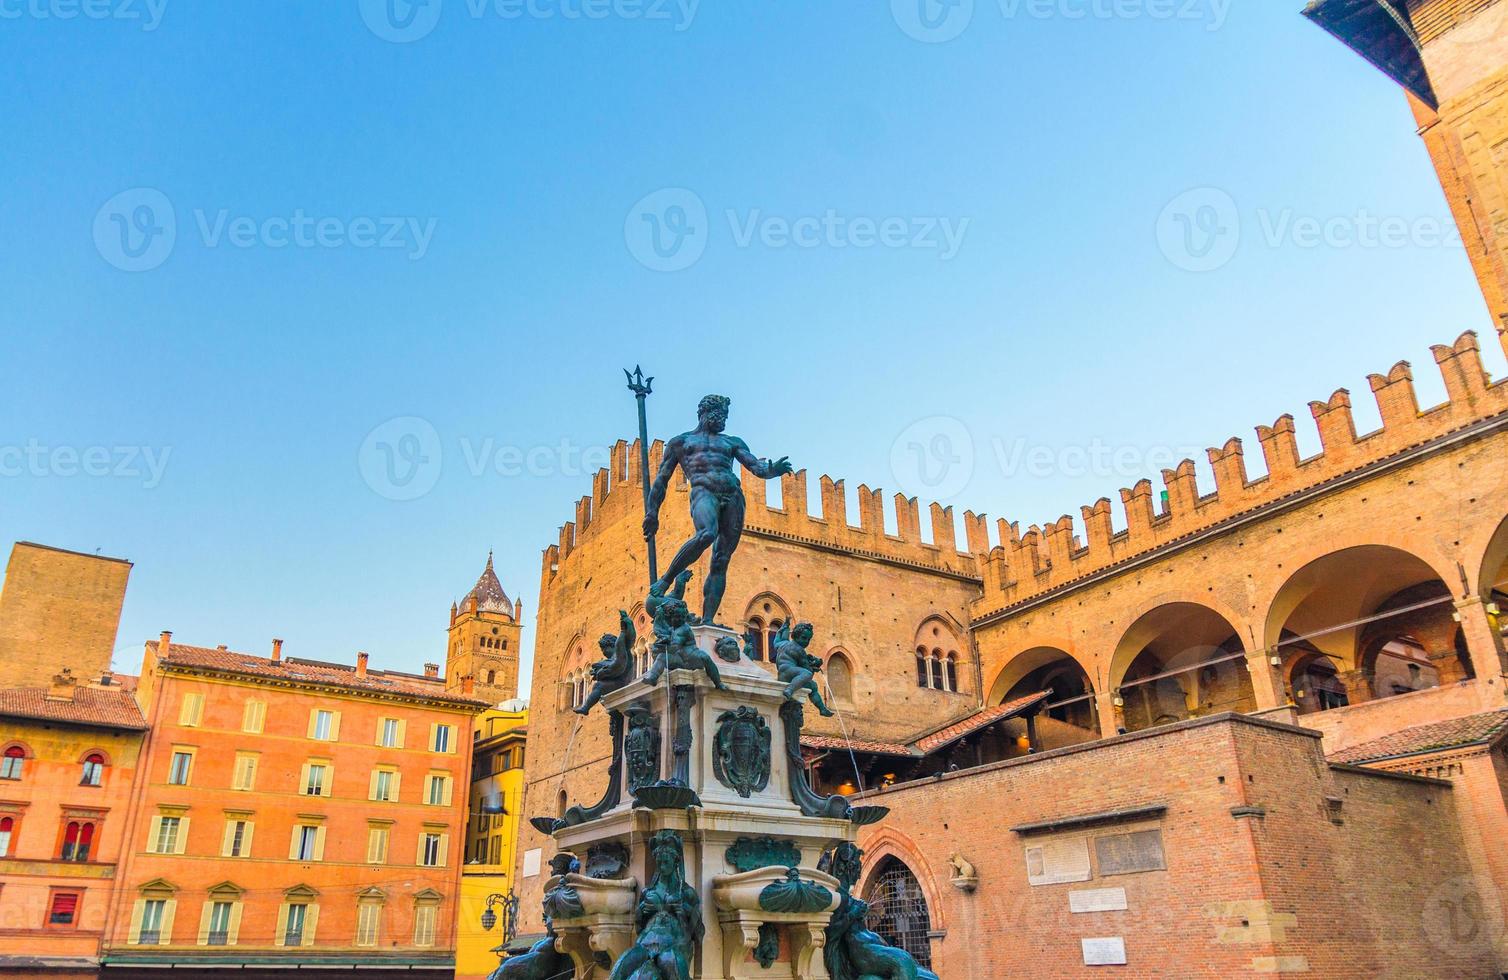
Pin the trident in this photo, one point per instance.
(642, 388)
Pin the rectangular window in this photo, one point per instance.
(429, 850)
(11, 764)
(424, 925)
(384, 786)
(377, 838)
(238, 838)
(441, 740)
(245, 776)
(64, 909)
(150, 933)
(314, 784)
(191, 711)
(439, 790)
(293, 935)
(324, 725)
(306, 839)
(179, 771)
(219, 925)
(167, 835)
(389, 733)
(254, 717)
(368, 919)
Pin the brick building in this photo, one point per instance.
(58, 609)
(68, 756)
(293, 814)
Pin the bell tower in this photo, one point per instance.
(484, 640)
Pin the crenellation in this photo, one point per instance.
(944, 534)
(583, 514)
(567, 539)
(618, 462)
(1137, 502)
(600, 487)
(1337, 425)
(1229, 464)
(1466, 380)
(871, 513)
(908, 519)
(1397, 401)
(793, 494)
(1183, 493)
(631, 473)
(1099, 526)
(976, 532)
(1280, 448)
(1059, 540)
(834, 506)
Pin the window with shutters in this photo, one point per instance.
(323, 725)
(244, 775)
(316, 779)
(254, 717)
(441, 741)
(384, 785)
(368, 922)
(429, 850)
(425, 917)
(293, 931)
(63, 910)
(167, 835)
(149, 933)
(439, 791)
(237, 838)
(377, 840)
(218, 933)
(191, 710)
(388, 733)
(306, 842)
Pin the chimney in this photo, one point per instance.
(62, 686)
(106, 679)
(164, 642)
(431, 670)
(222, 648)
(468, 685)
(361, 665)
(277, 651)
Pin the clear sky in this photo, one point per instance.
(1037, 248)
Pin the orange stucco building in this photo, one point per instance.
(293, 814)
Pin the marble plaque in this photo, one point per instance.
(1123, 854)
(1057, 861)
(532, 860)
(1108, 951)
(1097, 900)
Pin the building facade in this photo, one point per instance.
(483, 644)
(293, 814)
(58, 609)
(496, 803)
(68, 757)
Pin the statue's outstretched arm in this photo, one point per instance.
(762, 468)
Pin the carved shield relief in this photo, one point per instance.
(641, 749)
(741, 756)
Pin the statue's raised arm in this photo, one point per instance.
(710, 458)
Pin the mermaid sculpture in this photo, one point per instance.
(541, 962)
(670, 919)
(853, 952)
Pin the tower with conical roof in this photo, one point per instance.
(484, 639)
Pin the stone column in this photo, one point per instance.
(1359, 687)
(1112, 718)
(1266, 680)
(1482, 639)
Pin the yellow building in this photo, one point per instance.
(497, 797)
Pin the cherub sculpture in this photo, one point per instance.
(675, 644)
(616, 668)
(669, 919)
(798, 668)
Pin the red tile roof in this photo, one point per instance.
(311, 672)
(932, 741)
(92, 707)
(1437, 737)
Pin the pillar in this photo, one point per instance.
(1483, 640)
(1266, 680)
(1112, 718)
(1359, 687)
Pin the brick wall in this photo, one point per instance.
(58, 609)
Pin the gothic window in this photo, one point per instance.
(898, 911)
(952, 672)
(923, 668)
(757, 630)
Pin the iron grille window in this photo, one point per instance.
(898, 912)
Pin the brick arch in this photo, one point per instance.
(1039, 655)
(755, 607)
(84, 755)
(1113, 668)
(1306, 561)
(888, 842)
(26, 752)
(1494, 555)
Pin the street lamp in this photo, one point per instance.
(510, 915)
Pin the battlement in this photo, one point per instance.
(617, 495)
(1042, 559)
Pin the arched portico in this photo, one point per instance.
(1179, 660)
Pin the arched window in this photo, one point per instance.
(7, 829)
(898, 911)
(935, 665)
(94, 770)
(12, 763)
(840, 677)
(758, 639)
(491, 677)
(923, 669)
(952, 673)
(77, 839)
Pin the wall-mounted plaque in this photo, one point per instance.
(1107, 951)
(1054, 862)
(1123, 854)
(1097, 900)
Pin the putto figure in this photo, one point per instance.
(798, 668)
(675, 644)
(708, 456)
(616, 667)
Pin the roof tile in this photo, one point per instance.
(91, 706)
(1436, 737)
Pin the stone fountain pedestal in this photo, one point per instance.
(742, 838)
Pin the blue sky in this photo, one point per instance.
(1054, 249)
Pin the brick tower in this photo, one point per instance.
(484, 639)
